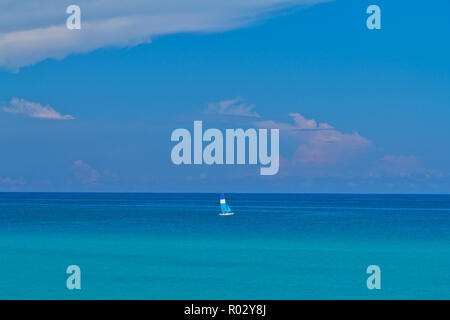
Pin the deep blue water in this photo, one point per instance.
(175, 246)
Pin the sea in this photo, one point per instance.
(176, 246)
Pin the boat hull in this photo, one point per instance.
(226, 214)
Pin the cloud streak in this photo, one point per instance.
(402, 166)
(11, 182)
(233, 107)
(34, 31)
(34, 110)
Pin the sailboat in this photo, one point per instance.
(226, 211)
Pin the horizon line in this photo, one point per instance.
(149, 192)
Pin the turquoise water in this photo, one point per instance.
(175, 246)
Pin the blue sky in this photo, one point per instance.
(386, 93)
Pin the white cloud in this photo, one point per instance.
(233, 107)
(331, 146)
(84, 173)
(318, 143)
(302, 123)
(34, 30)
(34, 110)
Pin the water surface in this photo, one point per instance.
(175, 246)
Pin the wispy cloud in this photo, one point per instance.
(11, 182)
(34, 110)
(31, 32)
(402, 166)
(87, 175)
(233, 107)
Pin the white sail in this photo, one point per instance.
(225, 208)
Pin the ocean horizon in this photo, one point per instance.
(176, 246)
